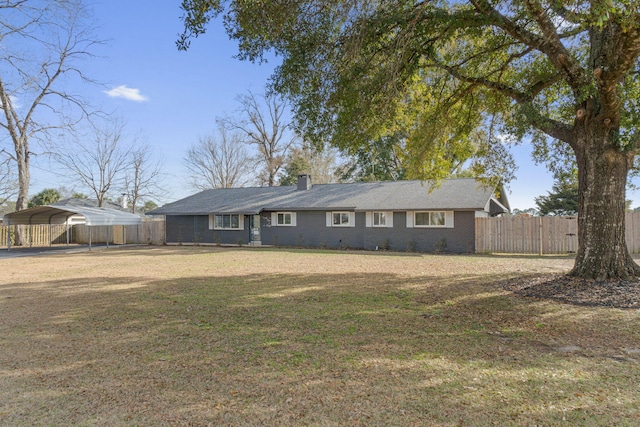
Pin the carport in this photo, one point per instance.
(69, 216)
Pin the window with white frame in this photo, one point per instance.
(341, 219)
(226, 221)
(283, 219)
(433, 219)
(379, 219)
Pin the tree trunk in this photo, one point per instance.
(602, 178)
(22, 202)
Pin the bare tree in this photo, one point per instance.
(41, 44)
(268, 129)
(8, 180)
(221, 162)
(99, 163)
(141, 176)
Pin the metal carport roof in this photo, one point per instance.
(71, 215)
(75, 214)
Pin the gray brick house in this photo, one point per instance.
(399, 215)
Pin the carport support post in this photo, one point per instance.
(8, 236)
(89, 237)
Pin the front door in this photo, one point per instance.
(255, 230)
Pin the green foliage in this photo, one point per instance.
(454, 78)
(295, 165)
(149, 205)
(45, 197)
(527, 211)
(378, 160)
(562, 199)
(452, 75)
(307, 159)
(7, 207)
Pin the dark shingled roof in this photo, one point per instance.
(452, 194)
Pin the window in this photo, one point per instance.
(433, 219)
(379, 219)
(341, 219)
(227, 222)
(283, 219)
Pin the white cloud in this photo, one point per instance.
(125, 92)
(15, 102)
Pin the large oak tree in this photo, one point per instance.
(562, 73)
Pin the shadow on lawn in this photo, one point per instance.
(308, 349)
(154, 250)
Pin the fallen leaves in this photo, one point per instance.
(574, 290)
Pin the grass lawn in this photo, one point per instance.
(195, 336)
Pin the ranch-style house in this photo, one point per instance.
(398, 215)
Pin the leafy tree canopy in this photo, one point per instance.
(295, 165)
(45, 197)
(562, 199)
(149, 205)
(378, 160)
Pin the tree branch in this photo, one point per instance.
(550, 44)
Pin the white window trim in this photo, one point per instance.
(274, 219)
(352, 219)
(212, 222)
(369, 217)
(448, 219)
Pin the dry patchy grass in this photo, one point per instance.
(211, 336)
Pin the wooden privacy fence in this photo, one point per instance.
(40, 234)
(541, 235)
(149, 232)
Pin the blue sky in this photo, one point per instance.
(170, 98)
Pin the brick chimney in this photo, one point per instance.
(304, 182)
